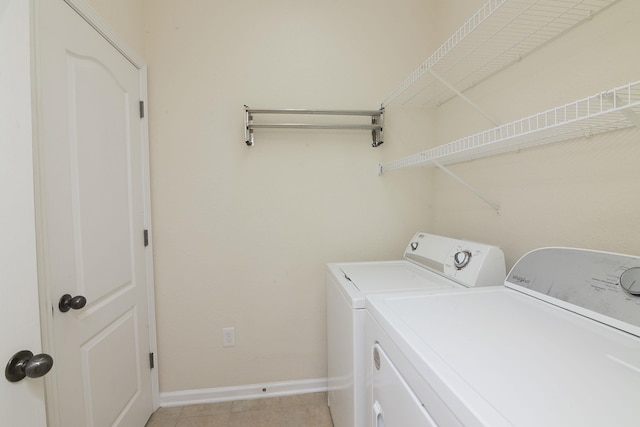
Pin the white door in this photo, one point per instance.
(91, 203)
(21, 403)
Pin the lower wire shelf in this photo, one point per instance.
(606, 111)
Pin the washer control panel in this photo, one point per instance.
(604, 283)
(469, 263)
(630, 281)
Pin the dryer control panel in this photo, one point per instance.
(468, 263)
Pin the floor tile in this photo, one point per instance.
(255, 404)
(308, 410)
(162, 422)
(215, 420)
(307, 416)
(173, 411)
(270, 417)
(165, 417)
(206, 409)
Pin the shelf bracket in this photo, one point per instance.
(463, 96)
(481, 196)
(248, 129)
(627, 112)
(632, 117)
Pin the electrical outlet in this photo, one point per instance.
(228, 337)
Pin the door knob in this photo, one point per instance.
(25, 364)
(68, 302)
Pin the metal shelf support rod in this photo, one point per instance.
(615, 101)
(478, 194)
(464, 97)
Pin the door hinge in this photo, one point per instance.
(142, 109)
(152, 363)
(146, 238)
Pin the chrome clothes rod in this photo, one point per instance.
(376, 126)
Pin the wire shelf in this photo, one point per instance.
(497, 35)
(606, 111)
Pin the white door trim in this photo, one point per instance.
(46, 303)
(21, 403)
(151, 298)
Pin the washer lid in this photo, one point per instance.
(365, 278)
(499, 357)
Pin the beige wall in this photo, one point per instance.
(126, 18)
(579, 193)
(242, 235)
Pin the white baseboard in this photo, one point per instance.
(245, 392)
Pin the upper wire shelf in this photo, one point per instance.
(497, 35)
(606, 111)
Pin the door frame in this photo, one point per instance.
(21, 403)
(47, 302)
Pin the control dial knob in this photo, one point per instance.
(461, 259)
(630, 281)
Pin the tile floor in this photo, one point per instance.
(306, 410)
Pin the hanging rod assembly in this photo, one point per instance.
(377, 121)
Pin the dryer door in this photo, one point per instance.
(394, 403)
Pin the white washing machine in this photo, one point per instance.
(557, 345)
(431, 263)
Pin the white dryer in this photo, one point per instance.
(558, 345)
(431, 263)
